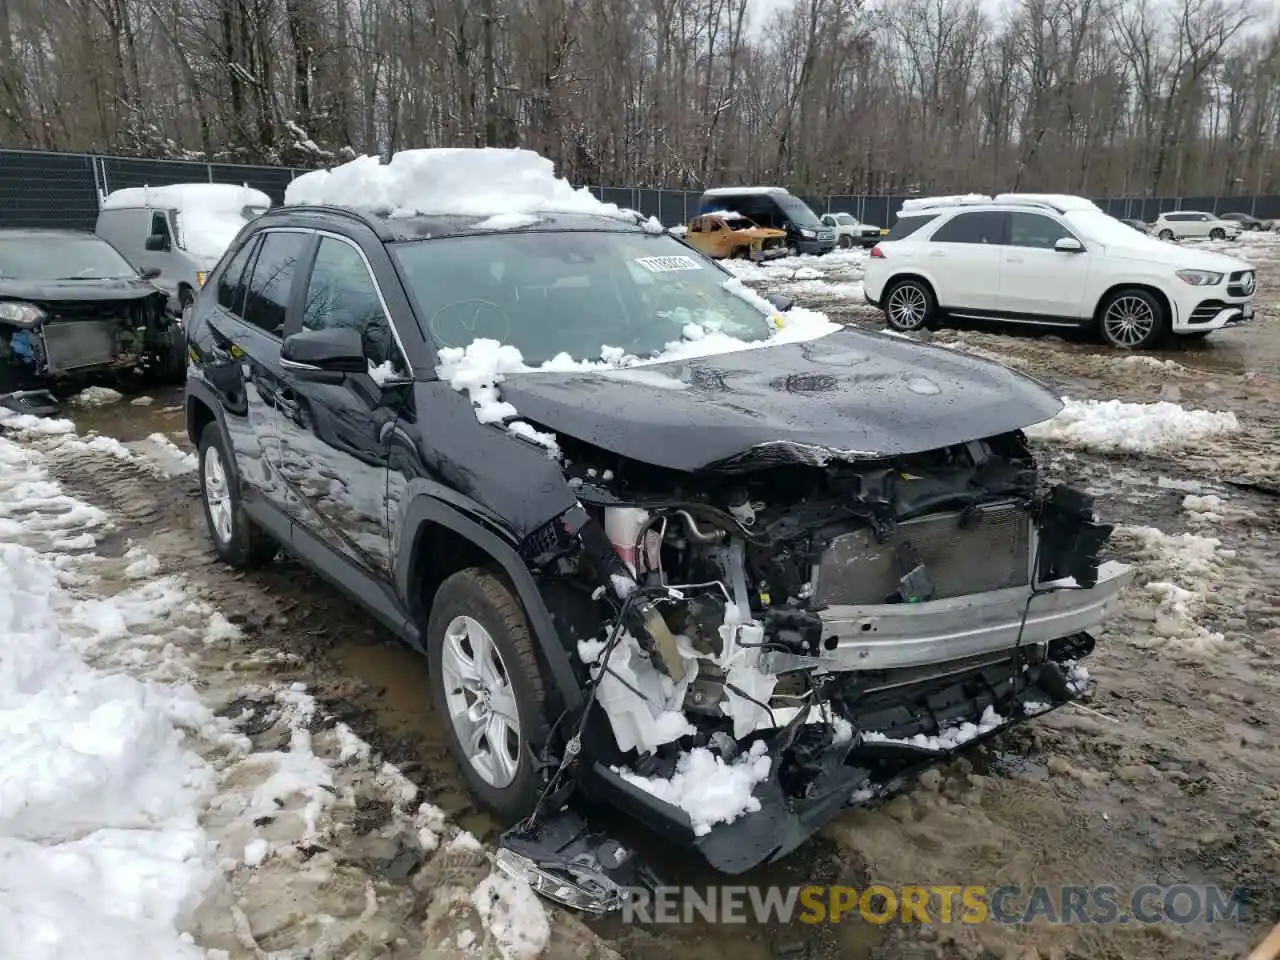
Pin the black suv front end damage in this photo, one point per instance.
(814, 630)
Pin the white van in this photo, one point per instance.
(181, 230)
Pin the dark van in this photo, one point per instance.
(774, 207)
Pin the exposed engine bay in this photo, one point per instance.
(56, 339)
(829, 627)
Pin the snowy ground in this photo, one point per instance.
(210, 761)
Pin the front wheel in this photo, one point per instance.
(239, 541)
(1166, 234)
(910, 305)
(1217, 233)
(1133, 319)
(846, 242)
(485, 681)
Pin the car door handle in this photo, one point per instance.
(1012, 259)
(937, 253)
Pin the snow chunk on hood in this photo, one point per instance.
(498, 184)
(1110, 425)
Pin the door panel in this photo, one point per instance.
(964, 256)
(1035, 278)
(335, 440)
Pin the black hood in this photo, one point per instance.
(55, 291)
(848, 395)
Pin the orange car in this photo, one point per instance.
(732, 236)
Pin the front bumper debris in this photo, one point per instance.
(890, 636)
(773, 253)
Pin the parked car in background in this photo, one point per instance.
(180, 231)
(851, 232)
(71, 305)
(1053, 262)
(1137, 225)
(777, 208)
(1194, 224)
(725, 235)
(1249, 222)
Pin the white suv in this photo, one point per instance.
(1051, 261)
(1178, 224)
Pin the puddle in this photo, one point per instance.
(129, 422)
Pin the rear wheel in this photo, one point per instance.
(485, 681)
(910, 305)
(1133, 319)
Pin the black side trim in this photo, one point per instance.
(426, 509)
(1011, 316)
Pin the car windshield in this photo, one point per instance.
(34, 257)
(798, 211)
(738, 223)
(577, 293)
(846, 220)
(1103, 228)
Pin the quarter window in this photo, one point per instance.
(341, 293)
(267, 302)
(987, 227)
(906, 226)
(1034, 230)
(232, 282)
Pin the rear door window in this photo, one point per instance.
(979, 227)
(906, 226)
(267, 301)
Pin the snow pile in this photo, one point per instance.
(947, 739)
(96, 397)
(209, 214)
(506, 186)
(1114, 425)
(1182, 573)
(709, 790)
(513, 916)
(100, 844)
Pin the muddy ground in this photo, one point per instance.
(1171, 774)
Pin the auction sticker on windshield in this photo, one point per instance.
(668, 264)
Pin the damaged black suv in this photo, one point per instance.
(810, 566)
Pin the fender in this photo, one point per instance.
(199, 390)
(425, 508)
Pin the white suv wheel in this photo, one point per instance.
(908, 306)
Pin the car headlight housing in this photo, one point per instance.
(808, 234)
(1200, 278)
(19, 314)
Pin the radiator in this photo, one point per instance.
(83, 343)
(991, 552)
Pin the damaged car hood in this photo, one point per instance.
(848, 395)
(53, 291)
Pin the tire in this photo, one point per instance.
(846, 242)
(1255, 226)
(501, 777)
(1217, 233)
(1133, 319)
(738, 253)
(1165, 234)
(910, 305)
(793, 251)
(237, 540)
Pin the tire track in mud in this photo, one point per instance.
(367, 679)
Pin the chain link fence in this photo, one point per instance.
(40, 189)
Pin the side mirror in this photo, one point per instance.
(158, 241)
(149, 273)
(781, 301)
(1069, 245)
(324, 356)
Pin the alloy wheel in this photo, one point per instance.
(1129, 321)
(217, 494)
(907, 307)
(480, 702)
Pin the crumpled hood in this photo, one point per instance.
(764, 233)
(52, 291)
(849, 395)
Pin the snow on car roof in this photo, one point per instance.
(1062, 201)
(228, 197)
(924, 203)
(743, 191)
(509, 186)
